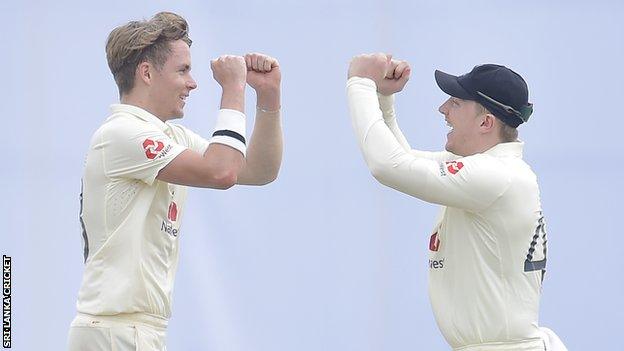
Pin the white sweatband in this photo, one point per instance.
(230, 130)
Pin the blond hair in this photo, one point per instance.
(507, 133)
(138, 41)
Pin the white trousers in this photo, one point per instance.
(115, 333)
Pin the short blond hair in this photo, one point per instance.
(138, 41)
(507, 133)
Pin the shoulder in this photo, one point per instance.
(188, 137)
(182, 130)
(488, 169)
(179, 129)
(123, 125)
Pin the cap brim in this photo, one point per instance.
(449, 84)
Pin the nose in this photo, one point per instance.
(443, 109)
(191, 84)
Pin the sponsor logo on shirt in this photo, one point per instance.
(442, 170)
(434, 242)
(168, 228)
(436, 264)
(434, 245)
(454, 166)
(172, 216)
(155, 149)
(152, 148)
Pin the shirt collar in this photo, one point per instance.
(512, 149)
(140, 113)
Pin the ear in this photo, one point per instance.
(144, 72)
(488, 123)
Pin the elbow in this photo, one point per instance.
(379, 171)
(271, 176)
(268, 174)
(378, 176)
(266, 178)
(224, 180)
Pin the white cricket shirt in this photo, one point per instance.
(487, 250)
(131, 220)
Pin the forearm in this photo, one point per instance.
(366, 115)
(386, 104)
(269, 99)
(233, 98)
(395, 167)
(264, 152)
(386, 158)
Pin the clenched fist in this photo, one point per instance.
(264, 75)
(263, 71)
(389, 75)
(229, 71)
(373, 66)
(397, 75)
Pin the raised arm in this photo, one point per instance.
(264, 154)
(396, 77)
(220, 165)
(474, 188)
(395, 80)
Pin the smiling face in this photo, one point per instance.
(172, 83)
(466, 121)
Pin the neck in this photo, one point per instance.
(139, 100)
(490, 144)
(482, 147)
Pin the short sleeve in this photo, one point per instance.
(136, 150)
(194, 141)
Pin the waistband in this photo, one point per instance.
(124, 318)
(520, 345)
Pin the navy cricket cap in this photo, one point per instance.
(499, 89)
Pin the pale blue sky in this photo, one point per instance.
(325, 258)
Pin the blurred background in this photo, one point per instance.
(324, 258)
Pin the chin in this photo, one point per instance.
(448, 147)
(177, 114)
